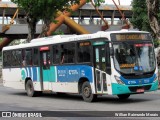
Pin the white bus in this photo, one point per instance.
(116, 63)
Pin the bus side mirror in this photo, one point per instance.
(111, 51)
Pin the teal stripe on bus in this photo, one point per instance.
(49, 75)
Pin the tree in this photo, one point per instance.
(0, 40)
(139, 18)
(45, 10)
(146, 16)
(154, 16)
(41, 9)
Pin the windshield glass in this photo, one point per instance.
(132, 57)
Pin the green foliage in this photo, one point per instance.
(156, 43)
(140, 17)
(43, 9)
(0, 40)
(60, 32)
(17, 42)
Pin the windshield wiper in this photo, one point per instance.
(139, 73)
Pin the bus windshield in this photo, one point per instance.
(131, 57)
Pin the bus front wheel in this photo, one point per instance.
(123, 96)
(30, 89)
(87, 92)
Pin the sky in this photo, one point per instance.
(123, 2)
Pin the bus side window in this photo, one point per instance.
(62, 57)
(84, 53)
(86, 56)
(61, 54)
(68, 53)
(28, 56)
(48, 58)
(35, 55)
(56, 54)
(7, 59)
(16, 58)
(23, 58)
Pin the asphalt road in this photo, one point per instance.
(17, 100)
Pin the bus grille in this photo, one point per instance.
(137, 76)
(134, 89)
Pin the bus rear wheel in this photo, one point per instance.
(30, 89)
(123, 96)
(87, 92)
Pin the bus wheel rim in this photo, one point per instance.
(86, 92)
(30, 88)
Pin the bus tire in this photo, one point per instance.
(123, 96)
(60, 93)
(87, 92)
(38, 93)
(30, 89)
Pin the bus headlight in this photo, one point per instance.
(156, 77)
(119, 81)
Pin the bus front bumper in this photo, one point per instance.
(118, 89)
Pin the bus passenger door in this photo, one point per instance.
(45, 69)
(100, 68)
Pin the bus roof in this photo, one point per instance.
(67, 38)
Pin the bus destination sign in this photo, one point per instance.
(130, 36)
(84, 44)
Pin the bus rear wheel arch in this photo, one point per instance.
(30, 89)
(80, 83)
(87, 94)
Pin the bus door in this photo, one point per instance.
(45, 67)
(100, 68)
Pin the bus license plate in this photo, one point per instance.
(140, 90)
